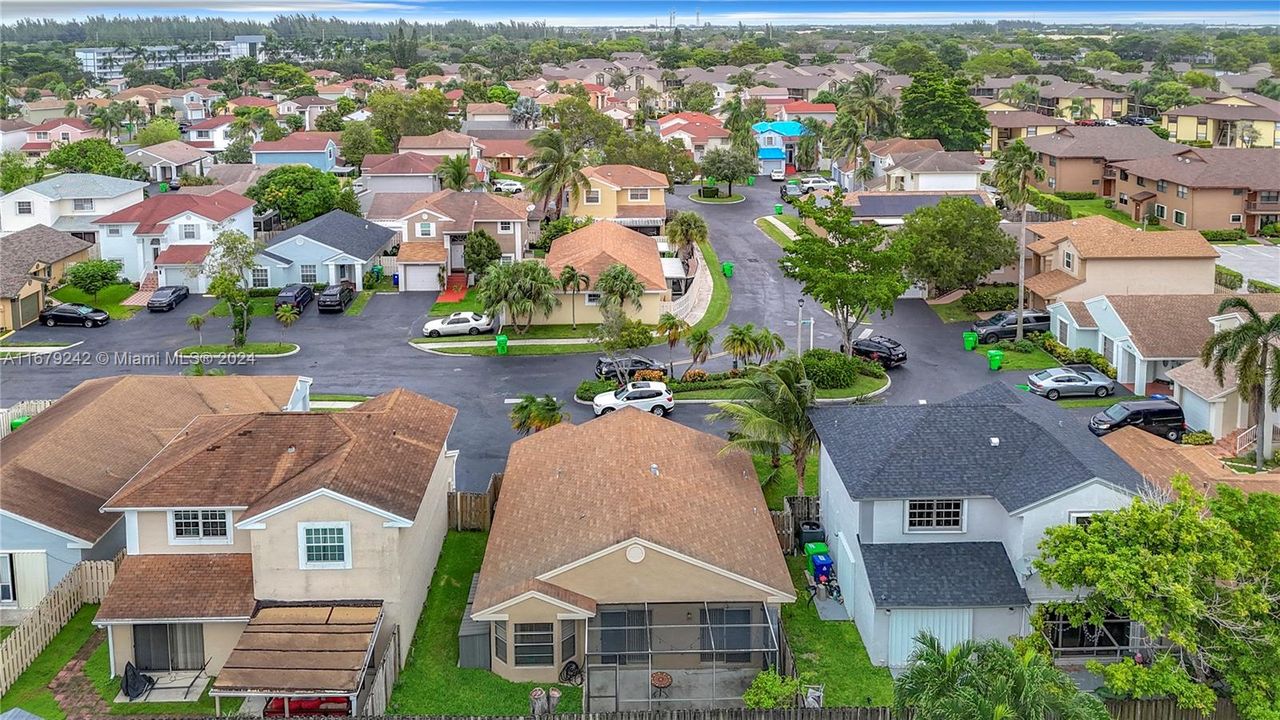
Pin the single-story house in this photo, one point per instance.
(32, 261)
(170, 160)
(594, 249)
(334, 247)
(890, 207)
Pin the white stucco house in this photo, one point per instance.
(70, 202)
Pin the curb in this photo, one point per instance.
(820, 401)
(24, 350)
(692, 198)
(426, 348)
(296, 349)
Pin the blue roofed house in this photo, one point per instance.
(933, 514)
(332, 248)
(320, 150)
(777, 144)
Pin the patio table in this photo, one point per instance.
(660, 682)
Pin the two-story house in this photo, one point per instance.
(1244, 120)
(49, 134)
(70, 202)
(933, 170)
(1074, 260)
(318, 149)
(626, 194)
(698, 132)
(251, 538)
(445, 143)
(802, 109)
(195, 103)
(171, 234)
(211, 134)
(50, 515)
(13, 133)
(332, 248)
(776, 141)
(168, 161)
(408, 172)
(881, 154)
(33, 261)
(308, 107)
(1056, 99)
(1074, 158)
(1010, 124)
(943, 541)
(1202, 188)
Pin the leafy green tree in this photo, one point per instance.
(455, 173)
(728, 165)
(1199, 79)
(360, 139)
(1001, 63)
(297, 192)
(856, 270)
(936, 106)
(94, 155)
(479, 252)
(617, 334)
(231, 261)
(236, 153)
(770, 690)
(501, 94)
(1170, 94)
(157, 131)
(329, 121)
(1201, 573)
(526, 112)
(573, 281)
(1100, 59)
(697, 97)
(1016, 167)
(423, 112)
(348, 202)
(649, 151)
(273, 131)
(583, 126)
(92, 276)
(867, 102)
(533, 414)
(15, 172)
(909, 58)
(518, 292)
(553, 169)
(1252, 349)
(955, 244)
(619, 287)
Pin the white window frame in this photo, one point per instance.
(42, 135)
(1176, 213)
(190, 231)
(266, 277)
(1031, 131)
(590, 298)
(1183, 191)
(501, 647)
(202, 539)
(1124, 199)
(586, 197)
(506, 227)
(64, 136)
(82, 204)
(30, 207)
(426, 229)
(202, 134)
(1236, 218)
(568, 634)
(631, 194)
(6, 571)
(507, 259)
(304, 564)
(302, 274)
(1068, 260)
(906, 516)
(1053, 182)
(1074, 517)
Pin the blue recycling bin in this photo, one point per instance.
(395, 279)
(821, 564)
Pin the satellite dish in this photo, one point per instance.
(530, 207)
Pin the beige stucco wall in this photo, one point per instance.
(1143, 277)
(153, 537)
(1102, 107)
(219, 640)
(531, 610)
(610, 200)
(1206, 208)
(1072, 175)
(419, 551)
(651, 308)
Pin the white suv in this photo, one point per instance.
(507, 186)
(651, 397)
(812, 183)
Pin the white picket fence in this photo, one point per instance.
(26, 408)
(86, 582)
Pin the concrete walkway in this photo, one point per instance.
(791, 234)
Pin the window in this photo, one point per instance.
(1080, 518)
(535, 644)
(1183, 191)
(768, 140)
(500, 640)
(936, 515)
(506, 227)
(42, 135)
(64, 136)
(640, 194)
(6, 579)
(591, 298)
(307, 274)
(1124, 175)
(1053, 161)
(261, 277)
(202, 134)
(24, 207)
(593, 197)
(1269, 197)
(324, 546)
(1179, 218)
(82, 204)
(1160, 211)
(113, 231)
(1236, 218)
(199, 527)
(1237, 191)
(568, 640)
(190, 232)
(1068, 260)
(1095, 182)
(1031, 131)
(1124, 199)
(426, 229)
(1053, 182)
(1140, 182)
(1162, 186)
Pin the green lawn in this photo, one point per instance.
(1083, 402)
(98, 669)
(1097, 206)
(721, 294)
(1014, 360)
(108, 299)
(863, 386)
(792, 221)
(536, 332)
(31, 690)
(1246, 241)
(784, 483)
(338, 397)
(431, 682)
(357, 306)
(16, 344)
(507, 176)
(953, 312)
(258, 307)
(383, 286)
(470, 303)
(831, 652)
(6, 631)
(722, 200)
(773, 232)
(253, 348)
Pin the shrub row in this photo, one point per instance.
(1270, 230)
(274, 291)
(1197, 143)
(829, 370)
(1258, 286)
(1076, 195)
(1224, 235)
(1227, 278)
(991, 297)
(1197, 437)
(1067, 356)
(1051, 205)
(1024, 345)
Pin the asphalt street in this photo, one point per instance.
(369, 354)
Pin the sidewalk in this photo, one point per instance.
(791, 234)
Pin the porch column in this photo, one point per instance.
(1139, 375)
(357, 271)
(333, 273)
(1266, 433)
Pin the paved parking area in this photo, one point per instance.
(1255, 262)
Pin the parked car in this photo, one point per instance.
(1004, 325)
(790, 192)
(816, 182)
(1087, 122)
(631, 364)
(1158, 416)
(297, 295)
(507, 186)
(335, 298)
(884, 350)
(459, 323)
(778, 174)
(651, 397)
(1108, 122)
(74, 314)
(167, 297)
(1054, 383)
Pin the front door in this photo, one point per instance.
(456, 262)
(155, 250)
(176, 646)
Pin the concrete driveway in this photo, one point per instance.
(1255, 262)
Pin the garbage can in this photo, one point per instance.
(377, 272)
(777, 208)
(970, 340)
(727, 269)
(18, 422)
(815, 548)
(995, 358)
(820, 566)
(751, 180)
(501, 340)
(811, 532)
(395, 279)
(164, 187)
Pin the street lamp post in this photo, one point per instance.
(799, 324)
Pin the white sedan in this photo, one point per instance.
(507, 186)
(651, 397)
(459, 323)
(778, 174)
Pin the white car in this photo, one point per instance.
(778, 174)
(812, 183)
(1108, 122)
(459, 323)
(507, 186)
(651, 397)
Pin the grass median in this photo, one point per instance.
(773, 232)
(253, 348)
(1017, 360)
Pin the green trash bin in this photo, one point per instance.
(164, 187)
(727, 269)
(751, 180)
(815, 548)
(377, 272)
(18, 422)
(995, 358)
(970, 340)
(777, 208)
(501, 341)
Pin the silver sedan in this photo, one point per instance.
(1071, 380)
(459, 323)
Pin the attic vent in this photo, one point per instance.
(995, 442)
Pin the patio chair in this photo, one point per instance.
(813, 695)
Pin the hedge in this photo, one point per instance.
(1069, 195)
(1270, 230)
(829, 370)
(274, 291)
(992, 297)
(1051, 205)
(1258, 286)
(1227, 278)
(1067, 356)
(1197, 437)
(1163, 133)
(1197, 143)
(1224, 235)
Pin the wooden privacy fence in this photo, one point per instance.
(86, 582)
(786, 522)
(472, 510)
(26, 408)
(384, 679)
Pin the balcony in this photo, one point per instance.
(1108, 173)
(1262, 207)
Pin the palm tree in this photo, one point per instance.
(866, 170)
(1020, 94)
(770, 411)
(809, 146)
(1015, 163)
(1252, 348)
(196, 322)
(769, 345)
(286, 315)
(532, 414)
(133, 114)
(573, 282)
(743, 79)
(673, 328)
(455, 173)
(1081, 109)
(618, 286)
(554, 169)
(518, 291)
(867, 101)
(70, 109)
(699, 342)
(740, 343)
(685, 230)
(618, 79)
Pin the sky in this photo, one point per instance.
(718, 12)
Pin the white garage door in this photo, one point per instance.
(1196, 410)
(949, 626)
(178, 275)
(420, 277)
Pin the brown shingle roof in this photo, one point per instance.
(1199, 379)
(300, 141)
(939, 161)
(571, 491)
(425, 251)
(1122, 142)
(50, 479)
(1222, 111)
(467, 208)
(594, 248)
(406, 164)
(21, 250)
(380, 452)
(1175, 326)
(626, 176)
(492, 108)
(1080, 313)
(1097, 236)
(1021, 118)
(897, 145)
(1159, 460)
(174, 151)
(1251, 168)
(1049, 284)
(443, 140)
(179, 587)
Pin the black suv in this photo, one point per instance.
(167, 297)
(1161, 417)
(1004, 325)
(632, 364)
(884, 350)
(296, 295)
(790, 192)
(335, 298)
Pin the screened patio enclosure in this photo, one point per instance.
(677, 655)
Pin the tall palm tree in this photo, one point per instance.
(685, 230)
(866, 170)
(673, 328)
(1082, 109)
(769, 345)
(455, 173)
(1252, 348)
(573, 282)
(532, 414)
(618, 79)
(867, 100)
(1022, 94)
(1015, 164)
(196, 322)
(70, 109)
(618, 286)
(699, 342)
(740, 343)
(770, 412)
(554, 169)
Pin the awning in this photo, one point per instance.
(1142, 196)
(183, 255)
(673, 268)
(639, 221)
(302, 650)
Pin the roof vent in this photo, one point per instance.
(653, 468)
(291, 449)
(995, 442)
(1073, 222)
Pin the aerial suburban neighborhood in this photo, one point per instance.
(639, 363)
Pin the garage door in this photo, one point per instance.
(28, 309)
(951, 627)
(419, 277)
(1196, 410)
(178, 275)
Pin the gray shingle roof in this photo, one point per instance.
(955, 575)
(895, 451)
(339, 230)
(898, 205)
(20, 250)
(84, 185)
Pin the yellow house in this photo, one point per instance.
(632, 548)
(1248, 120)
(32, 261)
(592, 250)
(252, 101)
(625, 194)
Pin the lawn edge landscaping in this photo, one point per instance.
(1087, 402)
(772, 232)
(357, 306)
(721, 292)
(108, 300)
(256, 349)
(1015, 360)
(523, 350)
(953, 312)
(585, 331)
(733, 199)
